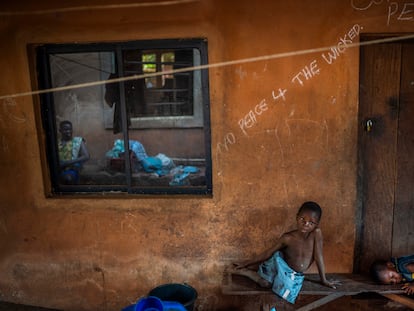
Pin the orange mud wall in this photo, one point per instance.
(284, 130)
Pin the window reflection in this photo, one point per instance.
(167, 152)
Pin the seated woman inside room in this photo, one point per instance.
(72, 154)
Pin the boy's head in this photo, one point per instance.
(311, 207)
(308, 216)
(384, 272)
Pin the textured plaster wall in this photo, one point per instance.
(276, 142)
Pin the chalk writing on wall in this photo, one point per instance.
(251, 118)
(395, 11)
(7, 105)
(342, 45)
(229, 139)
(280, 94)
(307, 72)
(344, 42)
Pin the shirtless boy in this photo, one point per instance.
(293, 254)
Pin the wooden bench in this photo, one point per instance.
(351, 284)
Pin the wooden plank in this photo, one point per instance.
(321, 301)
(408, 302)
(351, 284)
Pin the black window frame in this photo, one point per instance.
(47, 111)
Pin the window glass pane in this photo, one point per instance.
(149, 67)
(81, 136)
(161, 94)
(93, 141)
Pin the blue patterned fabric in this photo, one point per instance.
(286, 282)
(401, 263)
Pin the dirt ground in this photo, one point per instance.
(364, 302)
(361, 302)
(7, 306)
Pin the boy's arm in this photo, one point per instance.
(318, 257)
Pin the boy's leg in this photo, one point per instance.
(253, 276)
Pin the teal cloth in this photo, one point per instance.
(152, 165)
(401, 265)
(286, 282)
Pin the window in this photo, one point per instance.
(127, 117)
